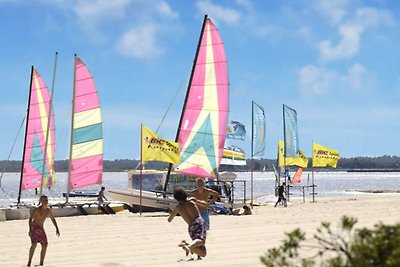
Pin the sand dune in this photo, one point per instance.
(128, 239)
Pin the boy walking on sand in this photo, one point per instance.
(190, 213)
(36, 230)
(101, 196)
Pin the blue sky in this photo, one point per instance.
(335, 62)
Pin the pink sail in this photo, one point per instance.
(202, 131)
(86, 158)
(38, 162)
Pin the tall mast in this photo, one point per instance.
(278, 180)
(252, 152)
(26, 135)
(48, 123)
(312, 172)
(284, 139)
(187, 95)
(72, 131)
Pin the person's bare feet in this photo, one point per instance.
(184, 246)
(183, 242)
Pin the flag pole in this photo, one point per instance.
(277, 179)
(252, 152)
(284, 151)
(312, 173)
(141, 167)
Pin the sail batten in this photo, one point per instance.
(86, 157)
(202, 130)
(38, 162)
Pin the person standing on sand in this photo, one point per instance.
(188, 209)
(101, 197)
(36, 230)
(281, 196)
(203, 193)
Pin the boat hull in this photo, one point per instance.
(65, 211)
(93, 208)
(14, 213)
(151, 201)
(84, 208)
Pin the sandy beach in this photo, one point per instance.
(128, 239)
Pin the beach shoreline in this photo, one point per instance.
(128, 239)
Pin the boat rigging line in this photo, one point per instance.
(183, 82)
(12, 148)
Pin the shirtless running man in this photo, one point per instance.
(36, 230)
(190, 213)
(203, 193)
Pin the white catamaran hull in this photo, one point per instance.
(65, 211)
(150, 200)
(13, 213)
(85, 208)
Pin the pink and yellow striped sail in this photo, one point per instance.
(203, 128)
(39, 163)
(86, 162)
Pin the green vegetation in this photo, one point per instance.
(346, 247)
(359, 163)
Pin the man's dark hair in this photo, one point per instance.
(180, 194)
(103, 188)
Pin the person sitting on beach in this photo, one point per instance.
(188, 209)
(36, 230)
(101, 197)
(203, 193)
(281, 197)
(246, 211)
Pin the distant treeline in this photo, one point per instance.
(358, 163)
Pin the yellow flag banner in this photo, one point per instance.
(324, 156)
(281, 161)
(158, 149)
(299, 160)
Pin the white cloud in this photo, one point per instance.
(333, 10)
(320, 81)
(90, 13)
(347, 47)
(315, 80)
(370, 17)
(165, 10)
(140, 42)
(219, 13)
(138, 34)
(355, 76)
(350, 33)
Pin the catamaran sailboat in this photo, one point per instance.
(202, 128)
(86, 151)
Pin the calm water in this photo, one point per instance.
(328, 184)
